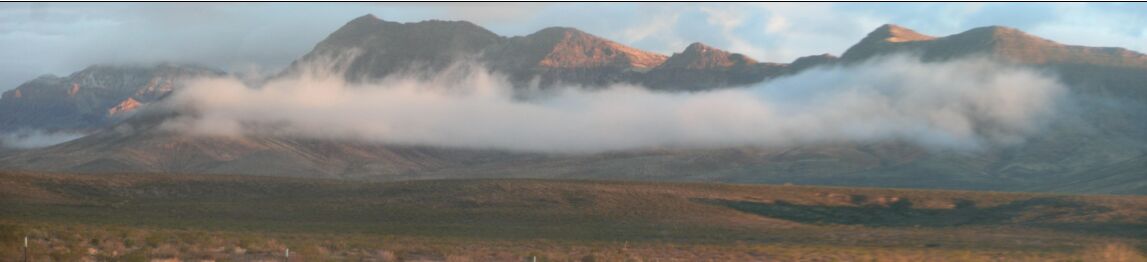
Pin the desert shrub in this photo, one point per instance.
(459, 258)
(310, 253)
(387, 256)
(66, 255)
(247, 241)
(154, 240)
(138, 255)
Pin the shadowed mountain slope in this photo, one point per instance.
(91, 98)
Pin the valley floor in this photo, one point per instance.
(142, 217)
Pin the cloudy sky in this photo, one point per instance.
(60, 38)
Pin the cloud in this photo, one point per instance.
(35, 138)
(964, 104)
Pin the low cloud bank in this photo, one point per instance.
(963, 104)
(27, 139)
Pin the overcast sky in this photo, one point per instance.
(60, 38)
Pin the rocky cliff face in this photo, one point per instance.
(90, 98)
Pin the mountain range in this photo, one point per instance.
(95, 97)
(1100, 148)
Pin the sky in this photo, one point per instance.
(61, 38)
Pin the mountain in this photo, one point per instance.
(1100, 129)
(1104, 71)
(567, 55)
(701, 56)
(806, 62)
(701, 67)
(1100, 142)
(998, 42)
(91, 98)
(569, 48)
(370, 48)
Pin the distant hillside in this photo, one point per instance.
(1000, 42)
(95, 97)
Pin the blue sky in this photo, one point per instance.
(60, 38)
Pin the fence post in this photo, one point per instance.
(287, 255)
(25, 249)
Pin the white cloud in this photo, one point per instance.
(777, 24)
(956, 105)
(728, 19)
(25, 139)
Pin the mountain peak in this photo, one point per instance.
(701, 56)
(366, 19)
(698, 47)
(559, 34)
(1003, 34)
(370, 48)
(882, 40)
(565, 47)
(996, 29)
(1000, 42)
(559, 30)
(896, 34)
(361, 25)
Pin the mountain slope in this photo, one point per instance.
(569, 48)
(1126, 177)
(999, 42)
(1101, 71)
(91, 98)
(567, 55)
(701, 67)
(370, 48)
(1098, 126)
(143, 144)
